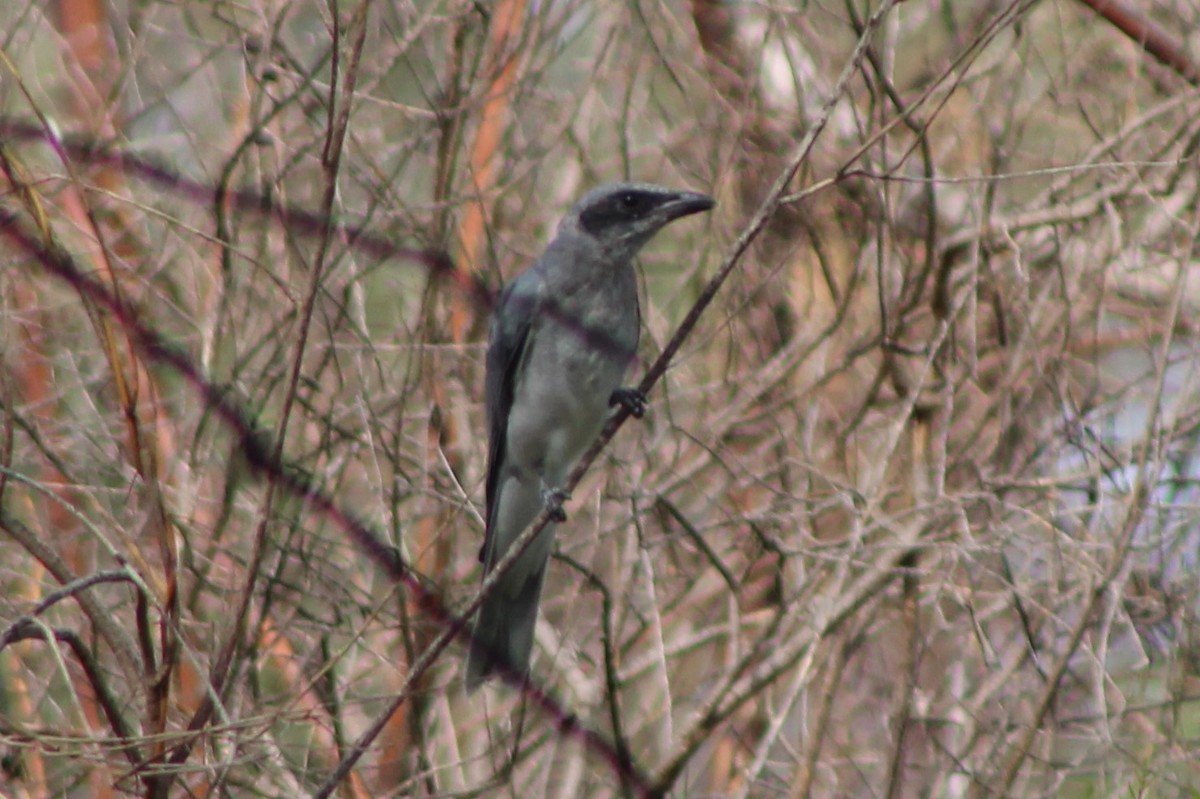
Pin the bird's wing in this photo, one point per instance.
(512, 322)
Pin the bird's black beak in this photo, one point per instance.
(685, 203)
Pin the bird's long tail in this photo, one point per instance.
(503, 633)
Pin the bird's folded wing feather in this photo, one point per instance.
(511, 325)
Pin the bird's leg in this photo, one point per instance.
(553, 499)
(631, 399)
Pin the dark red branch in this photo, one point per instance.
(1149, 34)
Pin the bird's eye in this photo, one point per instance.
(632, 203)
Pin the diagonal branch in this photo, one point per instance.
(1149, 35)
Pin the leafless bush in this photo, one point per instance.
(914, 509)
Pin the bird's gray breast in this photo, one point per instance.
(581, 347)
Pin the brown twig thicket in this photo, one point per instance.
(916, 507)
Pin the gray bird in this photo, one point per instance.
(562, 335)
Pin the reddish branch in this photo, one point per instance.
(1147, 33)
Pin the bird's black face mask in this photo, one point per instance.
(620, 209)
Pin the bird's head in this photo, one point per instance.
(621, 217)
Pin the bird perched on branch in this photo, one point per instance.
(562, 336)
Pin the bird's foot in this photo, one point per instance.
(631, 399)
(553, 499)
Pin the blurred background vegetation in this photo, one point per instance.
(915, 508)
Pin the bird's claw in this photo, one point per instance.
(631, 399)
(553, 499)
